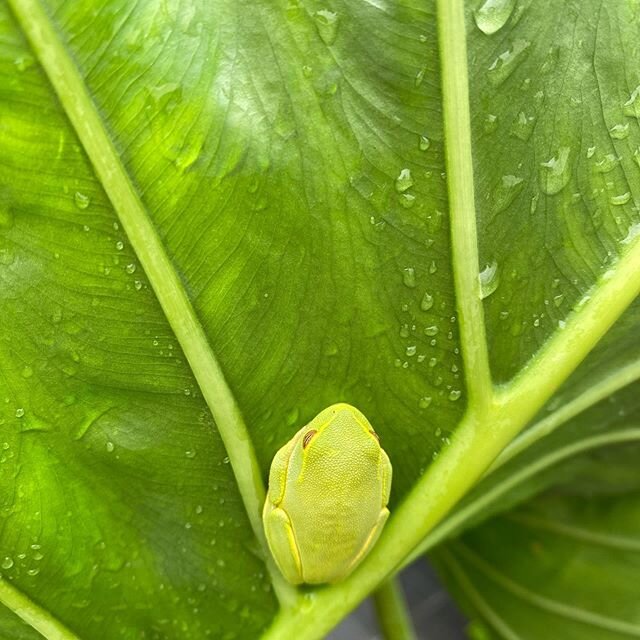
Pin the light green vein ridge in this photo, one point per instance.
(35, 616)
(462, 211)
(85, 118)
(562, 609)
(463, 580)
(603, 389)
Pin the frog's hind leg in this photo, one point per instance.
(280, 536)
(372, 538)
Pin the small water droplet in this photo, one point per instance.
(7, 562)
(454, 394)
(558, 300)
(623, 198)
(419, 76)
(507, 62)
(119, 245)
(190, 453)
(489, 279)
(110, 447)
(607, 163)
(424, 143)
(411, 350)
(424, 402)
(506, 192)
(492, 15)
(407, 200)
(19, 412)
(82, 201)
(490, 123)
(327, 24)
(427, 301)
(431, 330)
(404, 181)
(631, 107)
(555, 173)
(619, 131)
(522, 126)
(409, 277)
(130, 268)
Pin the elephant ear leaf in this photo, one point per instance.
(218, 218)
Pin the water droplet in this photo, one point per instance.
(110, 447)
(419, 77)
(454, 394)
(404, 181)
(506, 192)
(555, 173)
(409, 277)
(190, 453)
(492, 15)
(607, 163)
(307, 71)
(489, 279)
(327, 23)
(590, 152)
(130, 268)
(632, 233)
(411, 350)
(19, 412)
(522, 126)
(619, 131)
(424, 143)
(424, 402)
(427, 302)
(632, 106)
(623, 198)
(407, 200)
(558, 300)
(490, 123)
(404, 331)
(7, 562)
(506, 63)
(82, 201)
(431, 330)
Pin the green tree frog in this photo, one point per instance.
(327, 500)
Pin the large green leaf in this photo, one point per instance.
(216, 218)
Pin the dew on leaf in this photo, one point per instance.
(618, 200)
(506, 192)
(555, 173)
(632, 106)
(424, 143)
(522, 126)
(492, 15)
(404, 181)
(427, 302)
(82, 201)
(489, 279)
(607, 163)
(327, 24)
(409, 277)
(507, 62)
(619, 131)
(424, 402)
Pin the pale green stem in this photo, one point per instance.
(393, 614)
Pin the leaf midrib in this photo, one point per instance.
(79, 107)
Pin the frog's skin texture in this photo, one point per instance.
(327, 498)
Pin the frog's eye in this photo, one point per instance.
(307, 438)
(375, 435)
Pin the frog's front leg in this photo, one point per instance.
(372, 538)
(282, 542)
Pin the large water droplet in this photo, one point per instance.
(619, 131)
(492, 15)
(618, 200)
(505, 64)
(555, 173)
(327, 23)
(404, 181)
(489, 279)
(632, 106)
(506, 191)
(409, 277)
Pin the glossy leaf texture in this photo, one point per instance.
(289, 161)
